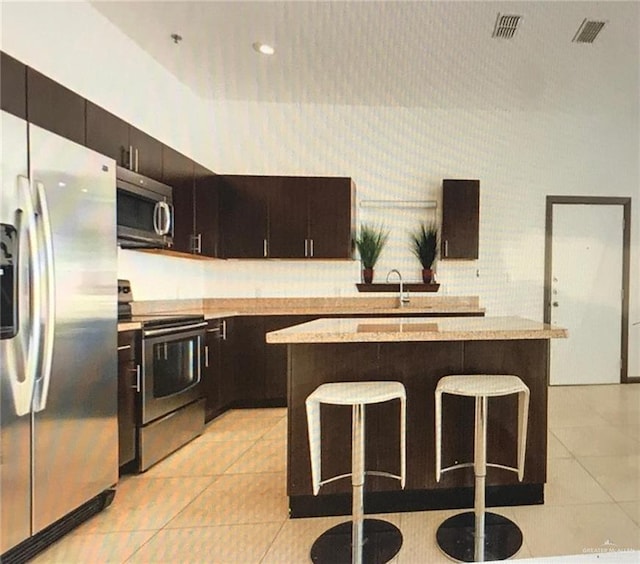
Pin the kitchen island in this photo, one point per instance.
(416, 352)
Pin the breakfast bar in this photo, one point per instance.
(416, 352)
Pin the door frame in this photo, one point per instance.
(626, 267)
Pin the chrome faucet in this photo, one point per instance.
(403, 298)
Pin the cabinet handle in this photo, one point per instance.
(311, 245)
(124, 347)
(196, 244)
(130, 166)
(306, 247)
(206, 356)
(265, 248)
(137, 160)
(138, 386)
(224, 329)
(446, 248)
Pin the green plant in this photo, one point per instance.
(424, 244)
(370, 243)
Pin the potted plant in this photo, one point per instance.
(370, 243)
(424, 244)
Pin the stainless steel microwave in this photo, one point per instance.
(145, 211)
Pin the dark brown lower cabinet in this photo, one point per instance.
(419, 366)
(261, 369)
(218, 368)
(127, 377)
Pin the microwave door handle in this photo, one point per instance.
(167, 226)
(47, 315)
(156, 219)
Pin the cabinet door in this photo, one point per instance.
(244, 215)
(331, 217)
(147, 154)
(460, 219)
(178, 173)
(276, 358)
(127, 374)
(250, 360)
(13, 86)
(288, 218)
(107, 134)
(206, 188)
(54, 107)
(228, 356)
(211, 370)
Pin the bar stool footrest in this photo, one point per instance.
(381, 542)
(456, 535)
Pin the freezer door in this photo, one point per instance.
(15, 394)
(75, 434)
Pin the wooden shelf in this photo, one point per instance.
(391, 287)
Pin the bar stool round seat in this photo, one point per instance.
(360, 540)
(478, 535)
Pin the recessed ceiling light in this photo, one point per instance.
(263, 48)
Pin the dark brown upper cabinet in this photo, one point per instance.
(460, 219)
(130, 147)
(178, 171)
(287, 217)
(13, 86)
(107, 134)
(54, 107)
(288, 220)
(145, 154)
(195, 202)
(206, 216)
(331, 217)
(244, 215)
(311, 217)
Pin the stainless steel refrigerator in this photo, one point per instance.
(58, 343)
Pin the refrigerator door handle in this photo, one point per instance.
(24, 354)
(48, 288)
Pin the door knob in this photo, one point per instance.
(555, 304)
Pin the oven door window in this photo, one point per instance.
(176, 366)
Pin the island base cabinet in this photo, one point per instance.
(419, 366)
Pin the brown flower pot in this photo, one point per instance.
(367, 275)
(427, 275)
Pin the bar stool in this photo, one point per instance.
(479, 535)
(370, 540)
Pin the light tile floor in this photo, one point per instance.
(222, 497)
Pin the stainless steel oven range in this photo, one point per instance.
(170, 402)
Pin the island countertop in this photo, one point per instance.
(354, 330)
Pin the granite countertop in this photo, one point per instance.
(350, 330)
(232, 307)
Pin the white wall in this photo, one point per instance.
(519, 156)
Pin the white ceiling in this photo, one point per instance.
(425, 54)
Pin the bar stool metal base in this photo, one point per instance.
(381, 542)
(456, 535)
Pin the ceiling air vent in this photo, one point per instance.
(506, 26)
(588, 31)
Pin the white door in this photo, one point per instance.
(586, 293)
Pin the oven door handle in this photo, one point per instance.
(168, 330)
